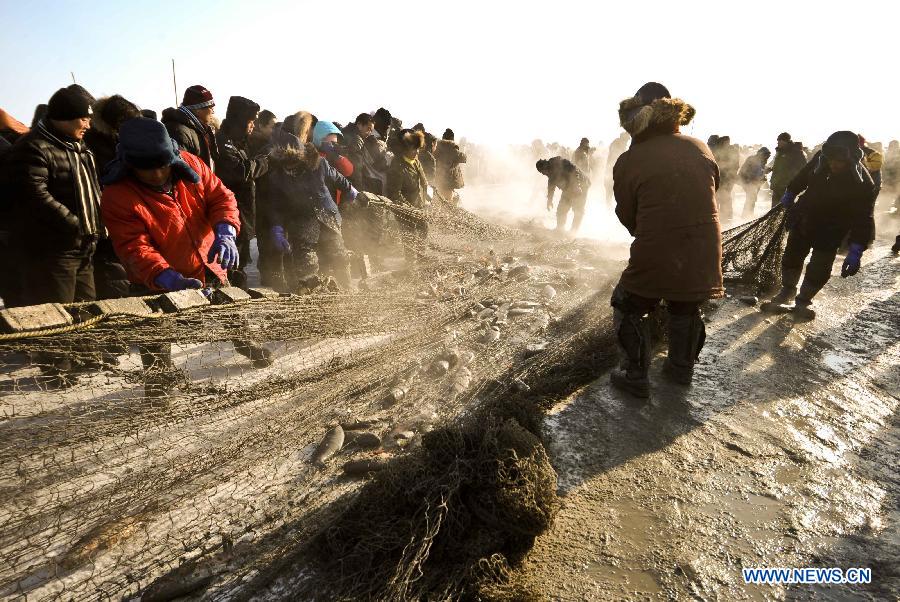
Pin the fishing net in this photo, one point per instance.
(171, 454)
(751, 252)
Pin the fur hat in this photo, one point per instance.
(412, 139)
(651, 108)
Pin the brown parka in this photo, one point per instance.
(665, 188)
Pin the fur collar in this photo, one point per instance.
(291, 158)
(662, 115)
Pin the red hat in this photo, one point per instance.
(198, 97)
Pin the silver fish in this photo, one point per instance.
(330, 445)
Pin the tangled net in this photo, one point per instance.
(171, 455)
(751, 252)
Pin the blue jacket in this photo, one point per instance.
(298, 184)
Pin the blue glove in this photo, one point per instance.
(171, 280)
(280, 241)
(852, 261)
(353, 195)
(225, 246)
(787, 199)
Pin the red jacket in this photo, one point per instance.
(344, 167)
(152, 231)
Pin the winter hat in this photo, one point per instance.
(70, 103)
(764, 151)
(653, 108)
(784, 136)
(197, 97)
(323, 129)
(241, 110)
(843, 145)
(712, 141)
(585, 142)
(448, 134)
(148, 113)
(652, 91)
(145, 144)
(541, 165)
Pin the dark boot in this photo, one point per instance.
(895, 249)
(633, 336)
(789, 279)
(802, 310)
(687, 333)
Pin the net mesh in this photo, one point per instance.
(175, 454)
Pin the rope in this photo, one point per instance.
(84, 325)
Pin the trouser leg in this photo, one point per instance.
(562, 212)
(751, 193)
(818, 272)
(578, 211)
(632, 331)
(777, 193)
(686, 334)
(795, 252)
(333, 256)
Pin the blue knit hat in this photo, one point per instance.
(145, 144)
(322, 129)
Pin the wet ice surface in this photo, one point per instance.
(783, 453)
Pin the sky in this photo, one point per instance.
(496, 72)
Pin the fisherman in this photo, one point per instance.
(752, 176)
(190, 125)
(448, 167)
(582, 157)
(726, 155)
(304, 217)
(788, 161)
(873, 160)
(172, 221)
(407, 185)
(616, 148)
(836, 199)
(562, 173)
(239, 172)
(665, 188)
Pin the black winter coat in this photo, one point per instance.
(48, 215)
(189, 137)
(568, 178)
(834, 205)
(239, 173)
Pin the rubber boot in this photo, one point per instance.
(895, 249)
(686, 337)
(789, 279)
(633, 336)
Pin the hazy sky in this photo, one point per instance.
(493, 71)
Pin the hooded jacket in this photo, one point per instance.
(196, 139)
(299, 186)
(152, 231)
(448, 165)
(239, 173)
(665, 189)
(834, 206)
(563, 174)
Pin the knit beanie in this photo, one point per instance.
(70, 103)
(448, 134)
(652, 91)
(197, 97)
(784, 136)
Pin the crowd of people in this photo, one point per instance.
(101, 199)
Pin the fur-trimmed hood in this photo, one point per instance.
(663, 115)
(292, 157)
(299, 124)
